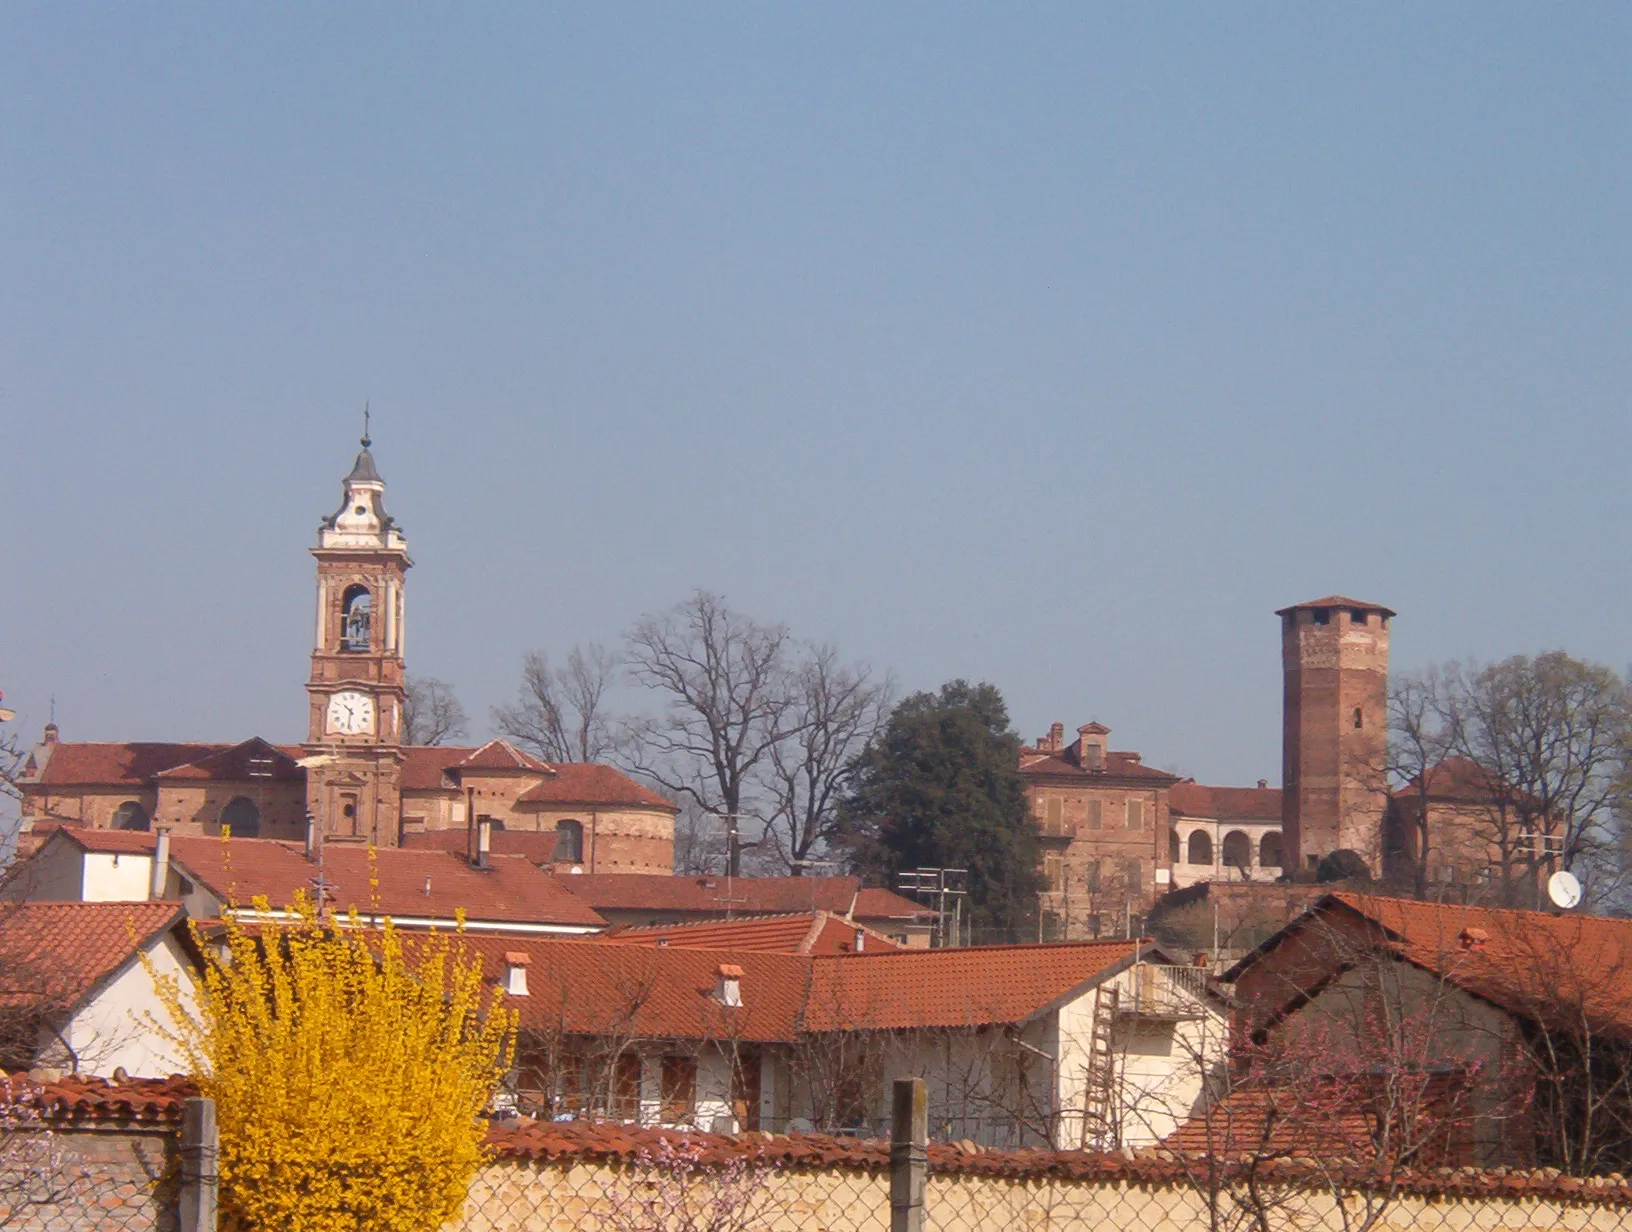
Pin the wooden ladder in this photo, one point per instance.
(1099, 1110)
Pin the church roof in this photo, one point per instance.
(501, 755)
(1338, 601)
(362, 470)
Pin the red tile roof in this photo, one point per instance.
(1455, 778)
(585, 783)
(1226, 803)
(499, 754)
(1037, 764)
(711, 895)
(253, 759)
(126, 764)
(1271, 1122)
(1338, 601)
(59, 953)
(817, 932)
(113, 842)
(873, 903)
(667, 992)
(512, 892)
(592, 988)
(81, 1099)
(1544, 967)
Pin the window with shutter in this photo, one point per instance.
(1136, 814)
(1053, 872)
(1135, 872)
(1095, 814)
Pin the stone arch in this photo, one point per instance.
(1269, 849)
(356, 618)
(1172, 847)
(131, 816)
(1237, 850)
(569, 842)
(1200, 848)
(243, 816)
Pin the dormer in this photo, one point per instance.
(1089, 749)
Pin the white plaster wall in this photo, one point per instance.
(122, 1025)
(116, 877)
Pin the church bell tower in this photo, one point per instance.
(356, 690)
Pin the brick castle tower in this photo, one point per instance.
(354, 737)
(1334, 732)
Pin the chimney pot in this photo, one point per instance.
(1263, 782)
(311, 837)
(729, 989)
(861, 940)
(50, 733)
(484, 840)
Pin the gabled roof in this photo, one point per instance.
(407, 884)
(713, 895)
(1337, 601)
(658, 992)
(252, 760)
(963, 987)
(818, 932)
(58, 954)
(873, 903)
(586, 783)
(499, 754)
(1544, 967)
(591, 988)
(126, 763)
(1035, 763)
(1225, 803)
(1456, 778)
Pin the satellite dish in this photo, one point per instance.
(1564, 889)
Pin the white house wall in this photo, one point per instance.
(121, 1026)
(116, 877)
(56, 873)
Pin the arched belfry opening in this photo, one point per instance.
(356, 618)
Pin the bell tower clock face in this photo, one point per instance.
(350, 714)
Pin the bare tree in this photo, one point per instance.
(1418, 744)
(723, 679)
(561, 713)
(834, 711)
(431, 714)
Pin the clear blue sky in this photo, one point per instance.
(1050, 345)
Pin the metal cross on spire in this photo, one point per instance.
(366, 441)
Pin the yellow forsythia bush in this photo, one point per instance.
(349, 1071)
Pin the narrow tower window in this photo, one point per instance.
(1359, 719)
(356, 609)
(569, 842)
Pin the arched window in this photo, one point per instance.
(1269, 849)
(1237, 850)
(1201, 847)
(1172, 846)
(569, 842)
(242, 815)
(130, 816)
(356, 614)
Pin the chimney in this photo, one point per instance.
(1473, 938)
(159, 874)
(729, 989)
(1056, 737)
(484, 840)
(1262, 783)
(311, 837)
(50, 733)
(861, 940)
(1091, 745)
(515, 973)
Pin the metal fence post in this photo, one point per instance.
(909, 1155)
(199, 1144)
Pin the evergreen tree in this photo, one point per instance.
(941, 787)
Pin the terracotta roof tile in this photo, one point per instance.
(801, 933)
(499, 754)
(1455, 778)
(968, 986)
(79, 1098)
(513, 891)
(125, 764)
(1226, 803)
(253, 759)
(57, 953)
(709, 895)
(1125, 765)
(537, 845)
(873, 903)
(584, 783)
(1338, 601)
